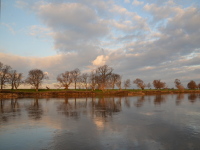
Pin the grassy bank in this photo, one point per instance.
(6, 93)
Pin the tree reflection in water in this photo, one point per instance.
(12, 107)
(2, 106)
(35, 110)
(69, 109)
(105, 107)
(179, 98)
(140, 101)
(159, 99)
(101, 123)
(97, 107)
(127, 102)
(192, 97)
(100, 107)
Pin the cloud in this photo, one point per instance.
(21, 4)
(100, 60)
(162, 12)
(40, 32)
(164, 52)
(76, 26)
(136, 2)
(9, 27)
(126, 1)
(35, 30)
(54, 65)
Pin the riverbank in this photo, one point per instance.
(85, 93)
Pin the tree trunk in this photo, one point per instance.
(93, 88)
(36, 88)
(12, 86)
(15, 86)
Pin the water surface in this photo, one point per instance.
(163, 122)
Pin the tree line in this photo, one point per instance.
(100, 78)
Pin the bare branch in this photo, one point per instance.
(35, 78)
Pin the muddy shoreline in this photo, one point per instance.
(58, 94)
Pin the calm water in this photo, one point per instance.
(163, 122)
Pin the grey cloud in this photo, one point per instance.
(176, 39)
(187, 21)
(179, 38)
(75, 26)
(134, 68)
(160, 12)
(82, 25)
(175, 2)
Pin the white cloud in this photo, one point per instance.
(100, 60)
(136, 2)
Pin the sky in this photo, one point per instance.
(146, 39)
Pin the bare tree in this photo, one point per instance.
(114, 78)
(103, 73)
(84, 79)
(158, 84)
(1, 65)
(4, 74)
(12, 76)
(35, 78)
(192, 85)
(178, 84)
(139, 83)
(65, 79)
(198, 86)
(127, 83)
(18, 81)
(15, 79)
(99, 82)
(1, 74)
(93, 80)
(75, 76)
(119, 84)
(149, 85)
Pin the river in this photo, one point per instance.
(156, 122)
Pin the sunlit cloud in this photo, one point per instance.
(136, 2)
(100, 60)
